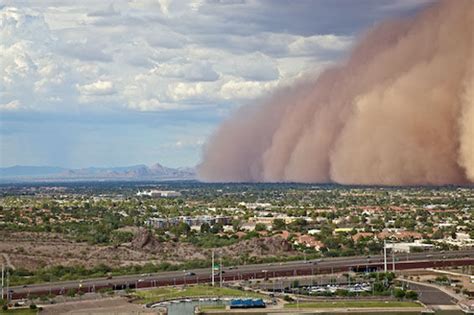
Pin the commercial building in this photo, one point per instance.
(154, 193)
(408, 247)
(191, 221)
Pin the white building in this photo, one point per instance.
(407, 247)
(159, 193)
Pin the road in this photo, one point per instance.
(430, 295)
(245, 272)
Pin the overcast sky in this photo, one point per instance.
(108, 83)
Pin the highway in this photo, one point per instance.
(245, 272)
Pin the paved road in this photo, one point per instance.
(244, 272)
(430, 295)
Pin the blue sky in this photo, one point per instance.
(109, 83)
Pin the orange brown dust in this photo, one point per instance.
(398, 111)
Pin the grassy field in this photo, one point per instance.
(160, 294)
(353, 304)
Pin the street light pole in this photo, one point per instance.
(220, 272)
(385, 256)
(212, 268)
(3, 271)
(8, 284)
(393, 258)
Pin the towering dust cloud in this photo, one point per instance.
(399, 111)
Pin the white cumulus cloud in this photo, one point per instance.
(155, 55)
(11, 106)
(97, 88)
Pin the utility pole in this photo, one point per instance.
(220, 272)
(8, 284)
(393, 258)
(212, 268)
(384, 256)
(3, 279)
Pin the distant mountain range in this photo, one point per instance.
(135, 172)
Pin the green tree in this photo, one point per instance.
(216, 228)
(278, 224)
(182, 229)
(205, 228)
(119, 237)
(412, 295)
(71, 292)
(399, 293)
(236, 225)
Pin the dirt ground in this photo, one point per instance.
(102, 306)
(35, 250)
